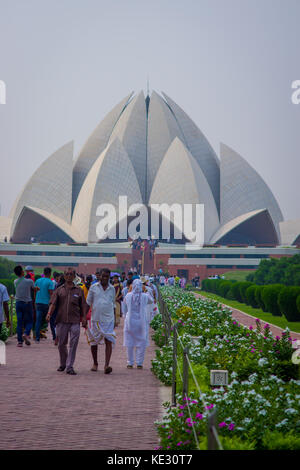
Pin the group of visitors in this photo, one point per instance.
(177, 281)
(97, 301)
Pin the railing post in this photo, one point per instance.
(11, 314)
(185, 372)
(174, 377)
(212, 443)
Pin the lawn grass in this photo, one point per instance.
(255, 312)
(237, 275)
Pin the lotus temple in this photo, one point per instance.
(148, 149)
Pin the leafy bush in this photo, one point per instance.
(287, 303)
(156, 321)
(298, 303)
(278, 441)
(243, 286)
(9, 284)
(4, 333)
(224, 287)
(285, 271)
(258, 297)
(270, 298)
(6, 267)
(250, 294)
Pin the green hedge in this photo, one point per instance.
(224, 287)
(258, 298)
(243, 286)
(250, 294)
(287, 303)
(9, 284)
(270, 298)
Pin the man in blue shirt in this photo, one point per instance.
(45, 288)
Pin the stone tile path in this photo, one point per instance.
(41, 408)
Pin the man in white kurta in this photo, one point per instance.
(136, 324)
(101, 298)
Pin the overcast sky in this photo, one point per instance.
(228, 63)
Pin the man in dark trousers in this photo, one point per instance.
(71, 306)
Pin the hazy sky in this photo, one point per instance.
(228, 63)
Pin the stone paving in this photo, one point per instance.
(41, 408)
(247, 320)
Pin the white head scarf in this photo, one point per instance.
(137, 289)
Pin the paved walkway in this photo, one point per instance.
(247, 320)
(41, 408)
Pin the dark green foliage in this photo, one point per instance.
(278, 271)
(224, 287)
(6, 268)
(250, 294)
(9, 284)
(287, 303)
(286, 370)
(258, 297)
(235, 291)
(270, 298)
(298, 303)
(243, 286)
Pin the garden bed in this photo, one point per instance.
(259, 409)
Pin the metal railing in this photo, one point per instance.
(171, 331)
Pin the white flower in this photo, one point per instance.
(262, 412)
(247, 420)
(291, 411)
(262, 361)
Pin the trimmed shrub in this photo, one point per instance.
(9, 284)
(270, 298)
(243, 286)
(298, 303)
(235, 289)
(287, 303)
(224, 287)
(258, 297)
(250, 294)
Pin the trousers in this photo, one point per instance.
(63, 331)
(139, 355)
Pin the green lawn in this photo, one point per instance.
(255, 312)
(237, 275)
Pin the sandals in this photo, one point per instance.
(107, 370)
(94, 368)
(139, 367)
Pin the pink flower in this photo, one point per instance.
(267, 326)
(180, 415)
(199, 416)
(257, 320)
(250, 327)
(231, 426)
(247, 334)
(179, 443)
(221, 425)
(188, 420)
(186, 442)
(253, 350)
(278, 338)
(188, 431)
(209, 407)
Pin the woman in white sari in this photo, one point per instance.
(136, 324)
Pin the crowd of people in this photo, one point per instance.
(97, 301)
(147, 245)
